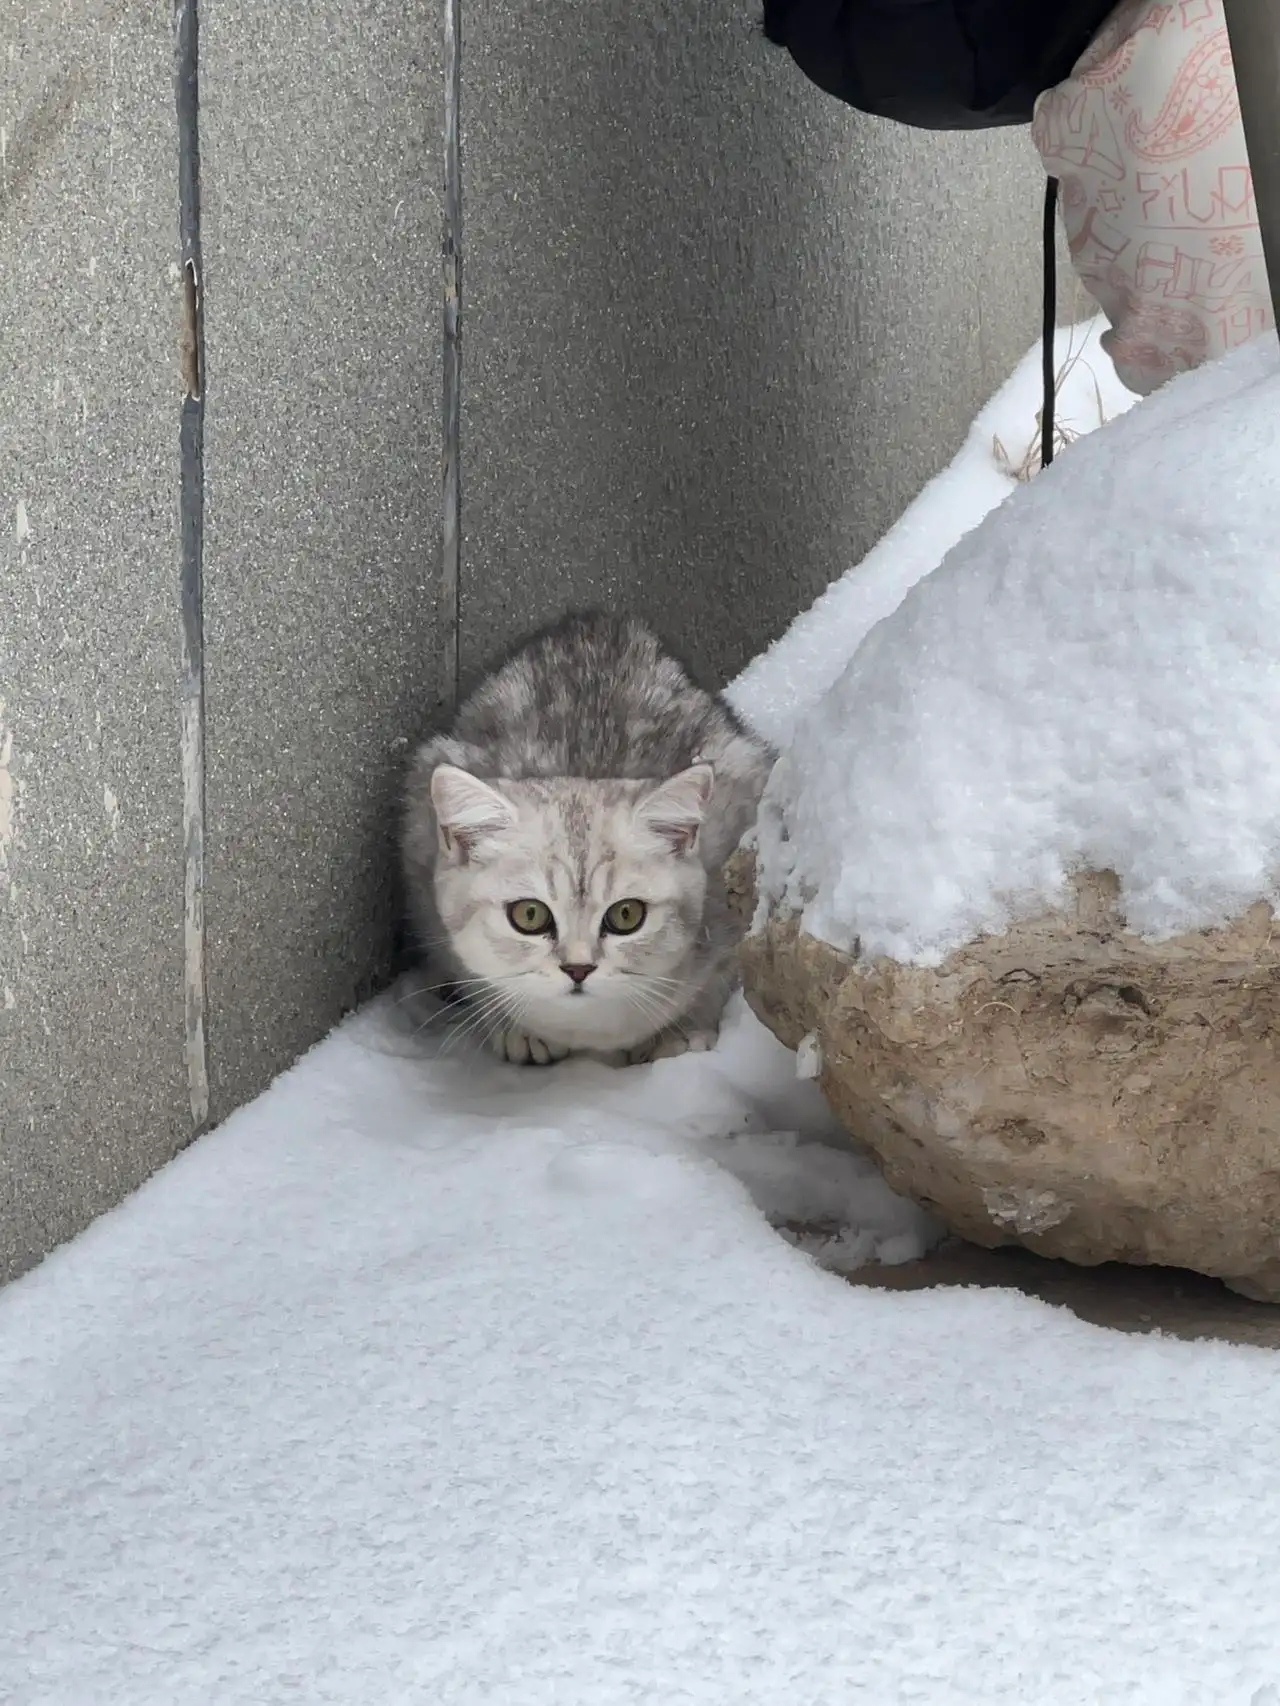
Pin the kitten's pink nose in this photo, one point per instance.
(577, 974)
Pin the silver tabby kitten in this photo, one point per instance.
(563, 845)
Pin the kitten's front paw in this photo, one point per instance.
(523, 1050)
(701, 1042)
(668, 1044)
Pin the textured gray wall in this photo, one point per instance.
(321, 477)
(717, 332)
(319, 129)
(92, 1088)
(720, 329)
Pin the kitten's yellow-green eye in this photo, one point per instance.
(531, 917)
(625, 917)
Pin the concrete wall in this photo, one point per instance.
(92, 1088)
(320, 474)
(322, 453)
(720, 329)
(717, 332)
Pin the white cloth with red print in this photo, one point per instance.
(1156, 193)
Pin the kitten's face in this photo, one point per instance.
(579, 904)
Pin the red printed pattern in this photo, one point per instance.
(1157, 197)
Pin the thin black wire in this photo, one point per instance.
(1050, 320)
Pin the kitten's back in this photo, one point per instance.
(595, 696)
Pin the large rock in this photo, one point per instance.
(1067, 1086)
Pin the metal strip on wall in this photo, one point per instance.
(1253, 27)
(192, 681)
(449, 608)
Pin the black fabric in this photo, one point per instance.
(936, 64)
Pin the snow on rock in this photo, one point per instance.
(1090, 680)
(776, 689)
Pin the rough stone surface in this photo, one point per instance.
(1065, 1086)
(92, 1088)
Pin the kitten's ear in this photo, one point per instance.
(467, 809)
(676, 809)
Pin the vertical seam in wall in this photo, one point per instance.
(448, 604)
(1253, 33)
(191, 439)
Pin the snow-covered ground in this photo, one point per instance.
(415, 1386)
(430, 1382)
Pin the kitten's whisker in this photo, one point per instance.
(663, 1000)
(479, 1012)
(455, 1013)
(406, 997)
(516, 1018)
(661, 1011)
(654, 980)
(477, 1016)
(646, 981)
(424, 942)
(450, 1013)
(649, 1011)
(457, 1042)
(434, 988)
(482, 1041)
(504, 1021)
(650, 997)
(445, 1014)
(494, 1003)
